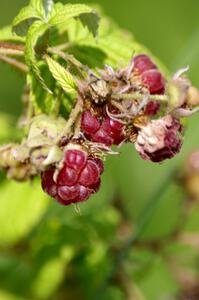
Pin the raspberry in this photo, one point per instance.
(77, 180)
(108, 132)
(153, 80)
(143, 63)
(160, 139)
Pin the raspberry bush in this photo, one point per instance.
(92, 93)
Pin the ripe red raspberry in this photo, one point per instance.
(153, 80)
(77, 180)
(143, 63)
(160, 139)
(108, 132)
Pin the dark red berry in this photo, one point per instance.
(143, 63)
(90, 174)
(76, 181)
(75, 159)
(153, 80)
(89, 123)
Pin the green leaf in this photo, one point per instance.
(22, 205)
(36, 10)
(87, 15)
(51, 273)
(37, 33)
(91, 21)
(62, 76)
(26, 17)
(6, 34)
(43, 102)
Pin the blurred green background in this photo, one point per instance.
(50, 252)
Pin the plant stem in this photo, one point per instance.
(139, 96)
(71, 121)
(11, 49)
(17, 64)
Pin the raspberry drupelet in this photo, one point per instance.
(78, 179)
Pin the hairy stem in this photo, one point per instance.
(139, 96)
(71, 121)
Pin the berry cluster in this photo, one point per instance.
(77, 180)
(115, 107)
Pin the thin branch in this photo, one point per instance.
(71, 121)
(62, 47)
(139, 96)
(11, 49)
(13, 62)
